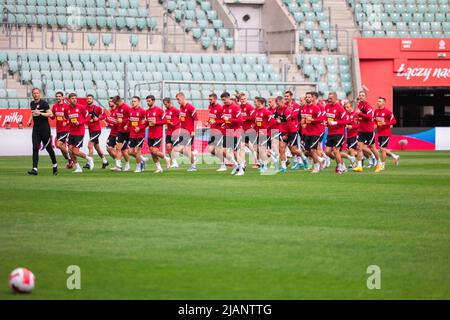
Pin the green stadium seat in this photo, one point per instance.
(134, 40)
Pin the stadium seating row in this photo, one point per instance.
(331, 72)
(103, 74)
(90, 14)
(314, 24)
(402, 18)
(199, 19)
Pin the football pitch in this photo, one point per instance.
(209, 235)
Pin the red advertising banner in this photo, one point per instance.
(394, 62)
(12, 118)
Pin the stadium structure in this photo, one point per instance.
(398, 49)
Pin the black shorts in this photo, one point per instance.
(368, 138)
(302, 140)
(352, 142)
(62, 136)
(154, 142)
(76, 141)
(232, 142)
(383, 141)
(335, 140)
(93, 136)
(215, 141)
(264, 141)
(123, 137)
(169, 139)
(311, 142)
(292, 139)
(111, 142)
(182, 141)
(136, 142)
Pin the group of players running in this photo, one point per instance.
(271, 130)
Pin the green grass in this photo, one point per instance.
(208, 235)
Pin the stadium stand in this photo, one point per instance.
(332, 72)
(102, 74)
(315, 31)
(90, 14)
(199, 19)
(98, 65)
(402, 18)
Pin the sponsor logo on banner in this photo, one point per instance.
(13, 117)
(422, 73)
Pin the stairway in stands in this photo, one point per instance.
(342, 17)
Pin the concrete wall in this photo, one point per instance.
(279, 28)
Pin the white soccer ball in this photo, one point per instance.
(21, 280)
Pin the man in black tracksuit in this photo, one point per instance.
(40, 112)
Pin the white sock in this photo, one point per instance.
(359, 163)
(54, 166)
(174, 162)
(34, 169)
(118, 163)
(77, 165)
(104, 160)
(158, 166)
(316, 166)
(283, 164)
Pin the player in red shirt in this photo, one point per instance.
(366, 133)
(264, 120)
(62, 127)
(384, 120)
(273, 132)
(233, 130)
(311, 128)
(248, 121)
(112, 123)
(352, 133)
(136, 125)
(215, 143)
(155, 121)
(172, 116)
(323, 158)
(283, 124)
(186, 134)
(293, 141)
(97, 114)
(123, 135)
(336, 122)
(78, 116)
